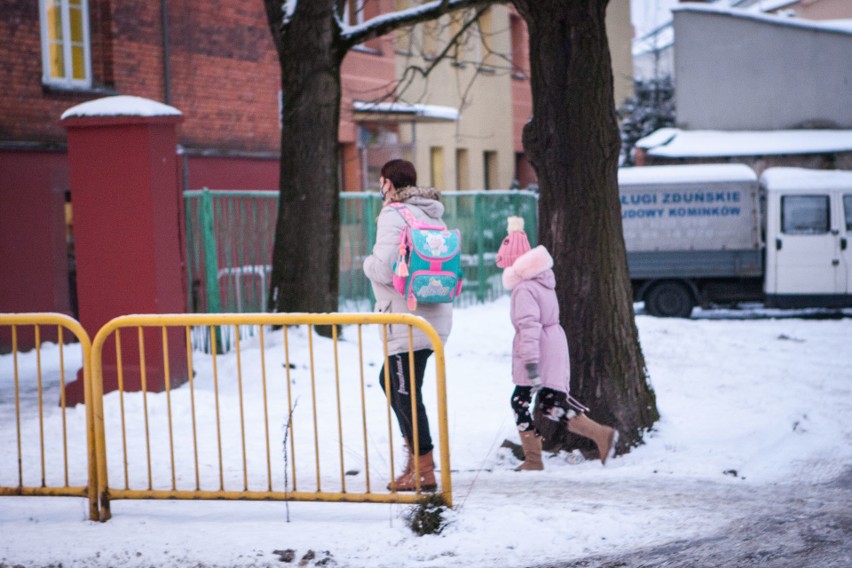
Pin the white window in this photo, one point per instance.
(65, 48)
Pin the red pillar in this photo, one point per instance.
(127, 203)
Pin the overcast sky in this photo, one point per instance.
(647, 14)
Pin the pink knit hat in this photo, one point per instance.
(514, 245)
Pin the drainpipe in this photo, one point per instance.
(167, 81)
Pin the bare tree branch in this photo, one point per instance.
(380, 25)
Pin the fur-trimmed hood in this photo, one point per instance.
(415, 191)
(536, 263)
(426, 198)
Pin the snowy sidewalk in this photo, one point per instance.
(765, 400)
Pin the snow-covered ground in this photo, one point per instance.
(752, 403)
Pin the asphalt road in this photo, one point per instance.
(787, 527)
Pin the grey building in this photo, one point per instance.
(740, 70)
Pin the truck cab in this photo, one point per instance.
(808, 229)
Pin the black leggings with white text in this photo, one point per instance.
(400, 396)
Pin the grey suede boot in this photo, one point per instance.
(531, 443)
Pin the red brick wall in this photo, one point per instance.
(223, 68)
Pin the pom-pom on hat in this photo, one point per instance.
(514, 245)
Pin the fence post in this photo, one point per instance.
(370, 222)
(211, 257)
(480, 252)
(211, 261)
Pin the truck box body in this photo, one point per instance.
(694, 221)
(711, 234)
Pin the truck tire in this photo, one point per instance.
(669, 300)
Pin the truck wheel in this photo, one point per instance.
(669, 300)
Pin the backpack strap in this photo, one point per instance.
(411, 220)
(407, 215)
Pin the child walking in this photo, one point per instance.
(540, 349)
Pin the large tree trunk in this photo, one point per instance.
(572, 142)
(305, 269)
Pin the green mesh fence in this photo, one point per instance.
(230, 237)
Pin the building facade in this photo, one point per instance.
(217, 64)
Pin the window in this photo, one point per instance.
(462, 173)
(65, 48)
(847, 208)
(804, 214)
(431, 38)
(519, 47)
(436, 155)
(490, 167)
(486, 31)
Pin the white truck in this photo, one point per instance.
(716, 235)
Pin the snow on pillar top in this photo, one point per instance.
(122, 105)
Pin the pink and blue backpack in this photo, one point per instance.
(429, 265)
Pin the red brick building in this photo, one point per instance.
(214, 61)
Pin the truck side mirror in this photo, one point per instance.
(777, 244)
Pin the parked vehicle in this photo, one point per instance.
(698, 235)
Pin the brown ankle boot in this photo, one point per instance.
(426, 467)
(409, 465)
(604, 437)
(532, 452)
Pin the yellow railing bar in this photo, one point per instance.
(62, 401)
(218, 418)
(62, 322)
(290, 406)
(214, 495)
(17, 405)
(386, 366)
(314, 402)
(144, 379)
(363, 407)
(412, 389)
(265, 411)
(285, 320)
(168, 386)
(242, 412)
(40, 404)
(191, 379)
(120, 373)
(339, 412)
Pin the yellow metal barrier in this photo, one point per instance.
(215, 436)
(45, 428)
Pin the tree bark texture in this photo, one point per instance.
(572, 141)
(305, 270)
(311, 48)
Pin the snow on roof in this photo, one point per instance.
(718, 143)
(688, 173)
(435, 112)
(824, 25)
(779, 179)
(657, 138)
(122, 105)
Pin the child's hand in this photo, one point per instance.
(532, 376)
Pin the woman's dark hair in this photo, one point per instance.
(401, 173)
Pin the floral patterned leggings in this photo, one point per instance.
(553, 405)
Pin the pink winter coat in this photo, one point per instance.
(535, 315)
